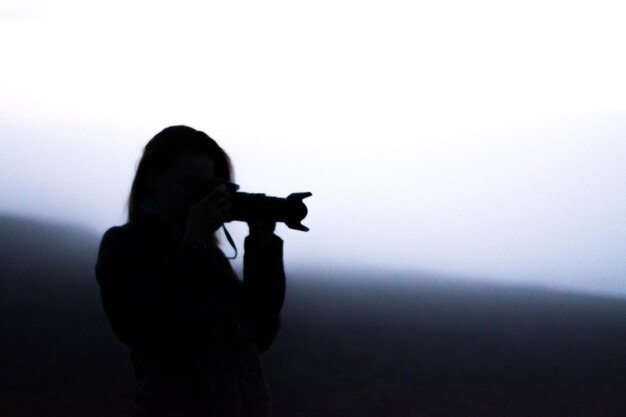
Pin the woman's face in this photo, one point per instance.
(173, 190)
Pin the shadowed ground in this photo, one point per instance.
(431, 348)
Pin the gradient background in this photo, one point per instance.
(468, 165)
(484, 140)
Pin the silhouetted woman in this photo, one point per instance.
(193, 328)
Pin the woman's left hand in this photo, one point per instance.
(262, 230)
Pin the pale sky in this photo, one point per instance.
(478, 139)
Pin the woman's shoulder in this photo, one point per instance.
(136, 239)
(120, 235)
(123, 250)
(121, 242)
(117, 231)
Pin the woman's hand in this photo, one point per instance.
(207, 215)
(262, 230)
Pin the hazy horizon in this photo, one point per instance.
(479, 140)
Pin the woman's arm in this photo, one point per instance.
(264, 283)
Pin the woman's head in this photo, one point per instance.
(174, 162)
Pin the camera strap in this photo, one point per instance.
(231, 241)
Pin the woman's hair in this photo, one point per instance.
(161, 151)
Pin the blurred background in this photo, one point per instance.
(484, 140)
(463, 142)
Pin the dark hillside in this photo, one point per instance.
(432, 348)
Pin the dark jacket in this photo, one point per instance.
(193, 328)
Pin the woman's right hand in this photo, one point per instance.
(207, 215)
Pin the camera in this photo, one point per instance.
(291, 210)
(251, 207)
